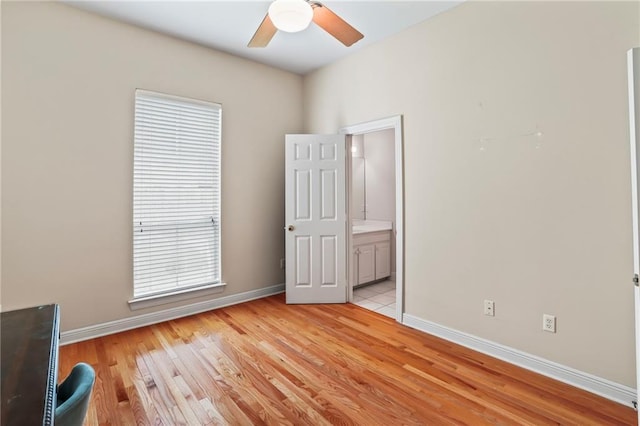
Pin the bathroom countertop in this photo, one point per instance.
(364, 226)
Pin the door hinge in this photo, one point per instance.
(636, 280)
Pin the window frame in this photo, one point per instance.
(147, 299)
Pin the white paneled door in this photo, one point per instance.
(315, 219)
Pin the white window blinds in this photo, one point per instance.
(176, 194)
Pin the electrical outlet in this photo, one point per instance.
(489, 308)
(549, 323)
(282, 263)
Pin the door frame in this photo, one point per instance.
(633, 74)
(395, 123)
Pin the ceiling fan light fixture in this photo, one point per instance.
(291, 15)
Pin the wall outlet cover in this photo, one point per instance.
(549, 323)
(489, 308)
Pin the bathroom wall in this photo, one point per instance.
(380, 175)
(357, 177)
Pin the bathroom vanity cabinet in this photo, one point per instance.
(372, 256)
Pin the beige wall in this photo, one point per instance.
(68, 82)
(537, 226)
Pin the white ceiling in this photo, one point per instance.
(229, 25)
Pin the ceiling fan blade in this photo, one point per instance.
(264, 33)
(335, 25)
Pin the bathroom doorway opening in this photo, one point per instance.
(375, 209)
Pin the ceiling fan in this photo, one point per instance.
(296, 15)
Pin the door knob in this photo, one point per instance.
(290, 228)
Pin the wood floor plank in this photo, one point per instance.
(265, 362)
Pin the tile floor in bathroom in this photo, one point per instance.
(379, 297)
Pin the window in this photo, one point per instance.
(176, 195)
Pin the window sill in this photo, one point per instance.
(176, 296)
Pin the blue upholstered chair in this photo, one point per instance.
(73, 396)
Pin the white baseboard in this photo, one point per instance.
(111, 327)
(597, 385)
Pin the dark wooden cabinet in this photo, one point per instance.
(29, 358)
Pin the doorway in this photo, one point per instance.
(375, 210)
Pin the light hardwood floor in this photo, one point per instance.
(265, 362)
